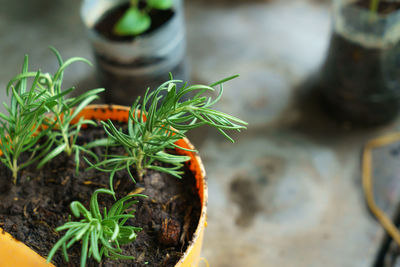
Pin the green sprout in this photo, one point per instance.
(64, 135)
(137, 20)
(158, 121)
(19, 129)
(43, 104)
(101, 235)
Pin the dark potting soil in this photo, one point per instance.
(105, 24)
(361, 84)
(40, 202)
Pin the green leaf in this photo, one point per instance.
(85, 243)
(133, 22)
(97, 143)
(120, 256)
(77, 209)
(170, 171)
(58, 150)
(82, 105)
(75, 101)
(94, 205)
(60, 71)
(70, 225)
(160, 4)
(59, 243)
(94, 246)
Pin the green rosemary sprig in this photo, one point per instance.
(158, 121)
(44, 103)
(65, 134)
(101, 234)
(137, 20)
(26, 113)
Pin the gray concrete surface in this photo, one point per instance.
(288, 192)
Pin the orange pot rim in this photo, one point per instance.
(24, 256)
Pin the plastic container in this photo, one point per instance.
(127, 68)
(360, 80)
(16, 254)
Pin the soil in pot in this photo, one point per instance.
(360, 83)
(40, 202)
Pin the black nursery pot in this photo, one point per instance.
(360, 80)
(126, 66)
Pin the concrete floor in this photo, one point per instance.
(288, 192)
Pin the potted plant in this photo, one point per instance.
(360, 77)
(116, 168)
(136, 44)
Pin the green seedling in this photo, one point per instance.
(20, 127)
(66, 109)
(158, 121)
(100, 234)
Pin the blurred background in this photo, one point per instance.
(288, 193)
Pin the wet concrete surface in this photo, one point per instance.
(288, 192)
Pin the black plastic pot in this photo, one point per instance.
(360, 80)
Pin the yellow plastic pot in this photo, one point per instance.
(14, 253)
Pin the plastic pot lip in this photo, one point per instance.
(121, 113)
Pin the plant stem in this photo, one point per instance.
(374, 5)
(140, 156)
(134, 3)
(139, 164)
(68, 148)
(15, 170)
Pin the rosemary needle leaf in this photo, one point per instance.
(58, 150)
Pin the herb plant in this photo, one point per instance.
(136, 19)
(101, 234)
(44, 103)
(26, 113)
(158, 121)
(65, 134)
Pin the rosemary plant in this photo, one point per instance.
(158, 121)
(136, 20)
(26, 113)
(101, 235)
(65, 134)
(45, 103)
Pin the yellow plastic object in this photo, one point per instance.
(16, 254)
